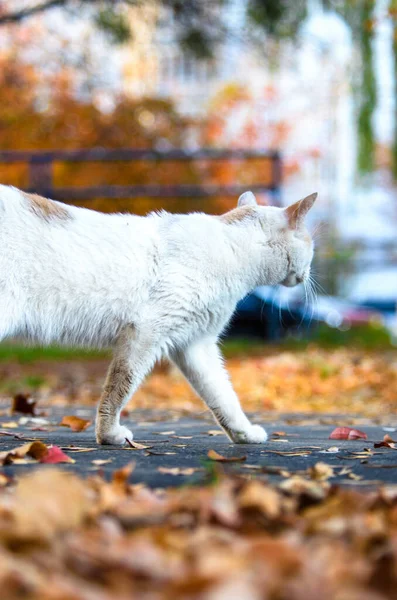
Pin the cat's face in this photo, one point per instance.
(286, 229)
(299, 247)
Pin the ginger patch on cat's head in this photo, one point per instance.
(46, 209)
(246, 208)
(238, 214)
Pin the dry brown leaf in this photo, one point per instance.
(35, 450)
(298, 486)
(121, 476)
(355, 477)
(101, 461)
(330, 450)
(386, 443)
(213, 455)
(75, 423)
(265, 499)
(136, 445)
(23, 403)
(321, 471)
(177, 470)
(155, 453)
(213, 432)
(289, 452)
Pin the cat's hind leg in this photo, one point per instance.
(133, 358)
(202, 365)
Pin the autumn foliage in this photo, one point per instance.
(62, 537)
(38, 114)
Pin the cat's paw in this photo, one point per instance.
(116, 436)
(254, 435)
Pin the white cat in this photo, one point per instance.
(149, 287)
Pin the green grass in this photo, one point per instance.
(368, 337)
(28, 354)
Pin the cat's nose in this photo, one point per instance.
(299, 279)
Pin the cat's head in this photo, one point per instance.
(285, 228)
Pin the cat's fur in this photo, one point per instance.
(149, 287)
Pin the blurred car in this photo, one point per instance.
(272, 312)
(377, 290)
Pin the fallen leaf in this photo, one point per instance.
(54, 455)
(35, 450)
(321, 471)
(9, 425)
(267, 500)
(387, 442)
(213, 455)
(121, 476)
(177, 470)
(164, 432)
(355, 477)
(153, 453)
(279, 433)
(101, 461)
(136, 445)
(289, 452)
(330, 450)
(18, 436)
(75, 423)
(213, 432)
(384, 444)
(347, 433)
(22, 403)
(78, 449)
(298, 486)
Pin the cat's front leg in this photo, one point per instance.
(133, 358)
(202, 365)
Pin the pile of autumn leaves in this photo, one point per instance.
(340, 380)
(62, 537)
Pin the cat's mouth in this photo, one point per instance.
(292, 280)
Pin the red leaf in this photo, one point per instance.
(55, 455)
(347, 433)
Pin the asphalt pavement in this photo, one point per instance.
(176, 446)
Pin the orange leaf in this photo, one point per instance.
(75, 423)
(213, 455)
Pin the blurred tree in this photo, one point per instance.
(393, 16)
(199, 26)
(68, 123)
(360, 16)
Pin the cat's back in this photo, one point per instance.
(31, 217)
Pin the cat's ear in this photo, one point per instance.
(247, 199)
(297, 212)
